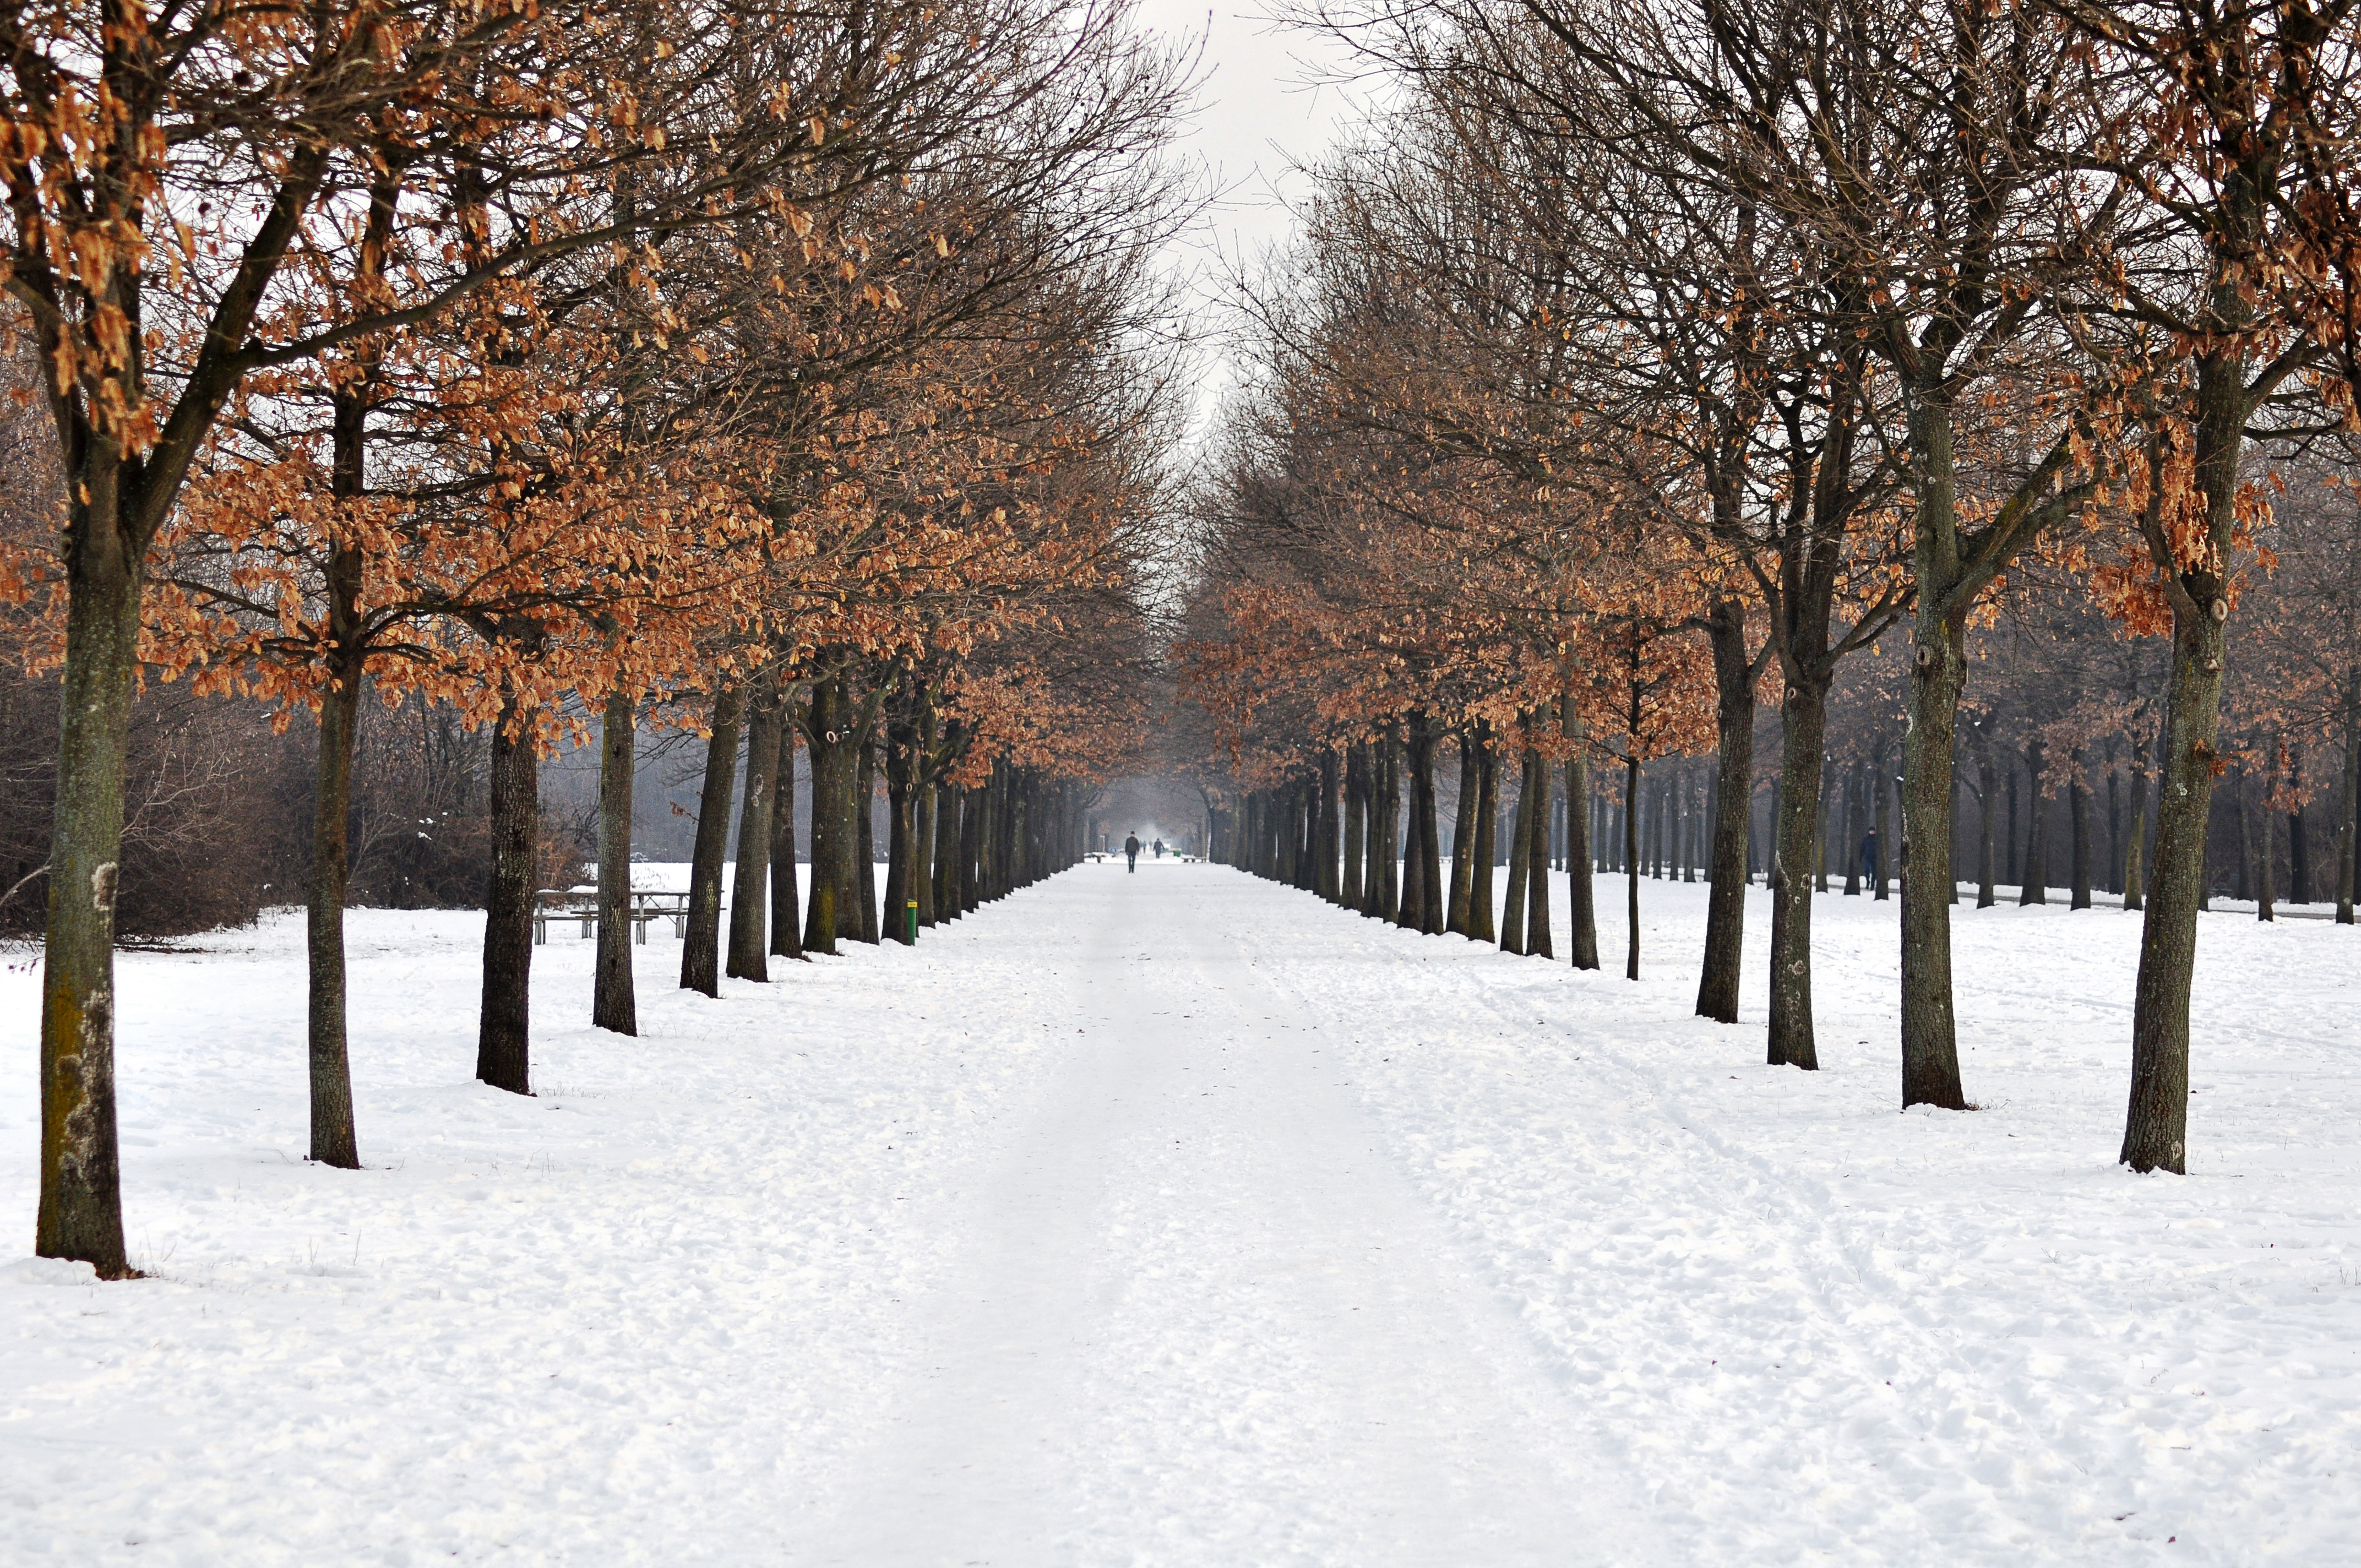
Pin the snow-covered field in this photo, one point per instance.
(1177, 1218)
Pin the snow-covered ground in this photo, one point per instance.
(1177, 1218)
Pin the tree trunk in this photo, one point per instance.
(2350, 871)
(2114, 818)
(2015, 840)
(503, 1057)
(750, 900)
(1536, 788)
(1950, 893)
(2035, 888)
(865, 828)
(786, 900)
(333, 1139)
(901, 916)
(1422, 901)
(946, 851)
(2265, 902)
(2244, 886)
(1324, 832)
(1307, 836)
(2299, 845)
(614, 1003)
(700, 950)
(1290, 835)
(81, 1210)
(1660, 829)
(2078, 815)
(993, 870)
(1988, 780)
(1582, 906)
(970, 846)
(2135, 842)
(970, 855)
(1385, 868)
(1725, 909)
(1352, 892)
(1462, 838)
(2348, 834)
(1882, 781)
(1803, 718)
(922, 822)
(1632, 859)
(1521, 869)
(1856, 832)
(2155, 1128)
(825, 739)
(1820, 840)
(1487, 838)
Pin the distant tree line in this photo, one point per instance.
(447, 385)
(1968, 385)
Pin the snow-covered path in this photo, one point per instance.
(1200, 1301)
(1178, 1219)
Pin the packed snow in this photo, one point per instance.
(1177, 1218)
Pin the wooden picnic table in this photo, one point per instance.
(648, 905)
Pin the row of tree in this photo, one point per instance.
(1654, 361)
(780, 375)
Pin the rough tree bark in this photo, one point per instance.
(1385, 854)
(1520, 869)
(1425, 912)
(750, 903)
(1987, 813)
(80, 1209)
(1325, 835)
(787, 897)
(1882, 780)
(1485, 848)
(2347, 849)
(700, 949)
(1353, 890)
(1536, 788)
(2156, 1124)
(1804, 727)
(824, 736)
(2035, 889)
(503, 1057)
(923, 821)
(1580, 864)
(2077, 814)
(901, 914)
(333, 1139)
(1463, 839)
(1725, 917)
(614, 1003)
(1632, 857)
(865, 828)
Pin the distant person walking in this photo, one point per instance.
(1131, 852)
(1159, 849)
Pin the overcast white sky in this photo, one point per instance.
(1260, 114)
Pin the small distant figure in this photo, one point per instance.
(1869, 857)
(1131, 852)
(1159, 849)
